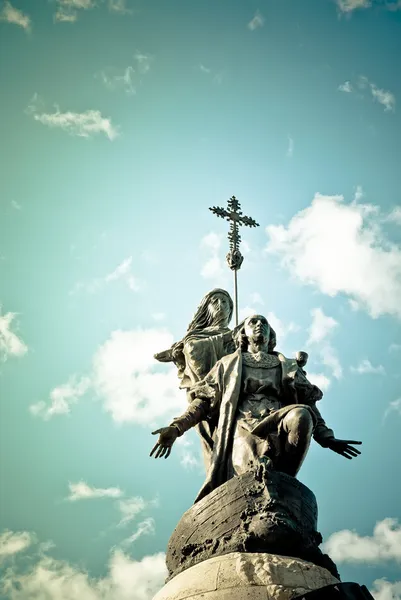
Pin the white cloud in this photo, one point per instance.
(10, 14)
(61, 398)
(130, 508)
(345, 87)
(119, 6)
(347, 6)
(322, 326)
(395, 215)
(126, 579)
(394, 348)
(257, 21)
(383, 545)
(16, 205)
(158, 316)
(385, 590)
(125, 380)
(10, 343)
(256, 298)
(394, 406)
(205, 69)
(361, 265)
(85, 124)
(67, 10)
(366, 367)
(319, 379)
(320, 330)
(145, 527)
(290, 147)
(123, 272)
(358, 193)
(83, 491)
(213, 268)
(11, 543)
(383, 97)
(130, 77)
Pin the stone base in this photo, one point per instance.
(247, 576)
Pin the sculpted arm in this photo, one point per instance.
(323, 435)
(204, 396)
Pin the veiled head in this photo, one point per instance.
(215, 310)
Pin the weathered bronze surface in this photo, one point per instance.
(259, 511)
(258, 407)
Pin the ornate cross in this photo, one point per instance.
(234, 215)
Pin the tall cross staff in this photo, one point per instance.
(234, 215)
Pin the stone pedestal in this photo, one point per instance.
(247, 576)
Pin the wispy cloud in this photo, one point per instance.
(130, 77)
(10, 343)
(394, 347)
(290, 147)
(345, 87)
(145, 527)
(13, 542)
(130, 507)
(362, 266)
(257, 21)
(85, 124)
(83, 491)
(123, 272)
(119, 6)
(320, 331)
(68, 10)
(319, 379)
(365, 367)
(62, 398)
(379, 95)
(10, 14)
(383, 545)
(393, 407)
(16, 205)
(215, 76)
(383, 97)
(348, 6)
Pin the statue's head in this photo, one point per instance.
(215, 310)
(257, 328)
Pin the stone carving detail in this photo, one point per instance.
(245, 576)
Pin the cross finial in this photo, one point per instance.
(234, 215)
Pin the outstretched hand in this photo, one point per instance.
(167, 437)
(344, 447)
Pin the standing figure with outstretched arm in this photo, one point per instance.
(208, 339)
(262, 409)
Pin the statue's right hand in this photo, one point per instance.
(167, 437)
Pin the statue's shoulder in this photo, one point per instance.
(228, 359)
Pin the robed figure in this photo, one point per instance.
(260, 409)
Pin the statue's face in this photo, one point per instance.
(257, 328)
(219, 307)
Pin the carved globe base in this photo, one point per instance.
(247, 576)
(259, 511)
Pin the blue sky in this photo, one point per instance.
(122, 122)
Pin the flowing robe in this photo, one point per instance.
(218, 398)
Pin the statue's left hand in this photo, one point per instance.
(167, 437)
(344, 447)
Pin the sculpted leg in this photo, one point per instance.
(297, 430)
